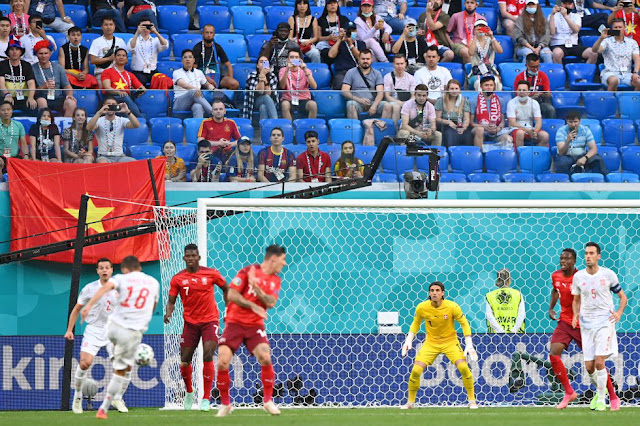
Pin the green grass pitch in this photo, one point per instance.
(574, 416)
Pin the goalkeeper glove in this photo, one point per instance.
(407, 345)
(469, 351)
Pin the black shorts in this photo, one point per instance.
(57, 104)
(575, 50)
(301, 107)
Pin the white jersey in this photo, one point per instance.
(137, 295)
(100, 312)
(596, 302)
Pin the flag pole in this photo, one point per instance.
(76, 270)
(153, 182)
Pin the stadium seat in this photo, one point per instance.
(316, 11)
(380, 177)
(27, 122)
(184, 41)
(87, 38)
(534, 159)
(395, 160)
(501, 161)
(296, 149)
(600, 105)
(453, 177)
(254, 44)
(629, 105)
(303, 125)
(422, 162)
(595, 127)
(504, 97)
(611, 157)
(518, 177)
(490, 16)
(366, 153)
(588, 40)
(166, 129)
(87, 99)
(507, 50)
(268, 124)
(465, 159)
(587, 177)
(622, 178)
(631, 159)
(557, 76)
(174, 19)
(244, 127)
(414, 12)
(321, 74)
(275, 15)
(234, 46)
(138, 136)
(330, 104)
(484, 178)
(168, 67)
(553, 178)
(345, 129)
(248, 19)
(565, 102)
(78, 14)
(218, 16)
(241, 71)
(59, 39)
(581, 76)
(619, 132)
(350, 12)
(142, 152)
(188, 152)
(509, 71)
(153, 103)
(551, 126)
(621, 87)
(384, 67)
(456, 69)
(334, 152)
(191, 127)
(390, 130)
(472, 97)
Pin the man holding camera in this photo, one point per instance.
(118, 82)
(109, 129)
(205, 171)
(210, 57)
(572, 141)
(278, 47)
(295, 80)
(145, 51)
(626, 10)
(36, 34)
(363, 88)
(419, 118)
(344, 53)
(411, 47)
(102, 50)
(621, 57)
(46, 10)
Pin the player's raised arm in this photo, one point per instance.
(413, 330)
(110, 285)
(73, 317)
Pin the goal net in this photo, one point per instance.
(358, 268)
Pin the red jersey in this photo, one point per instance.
(563, 285)
(313, 168)
(539, 82)
(514, 7)
(214, 131)
(196, 293)
(631, 22)
(270, 284)
(123, 80)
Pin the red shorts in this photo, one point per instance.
(564, 333)
(527, 136)
(236, 334)
(191, 333)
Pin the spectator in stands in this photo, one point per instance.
(5, 31)
(276, 163)
(205, 170)
(393, 12)
(175, 171)
(77, 141)
(348, 165)
(210, 56)
(330, 23)
(219, 131)
(187, 87)
(278, 47)
(191, 8)
(139, 11)
(344, 54)
(577, 149)
(461, 28)
(119, 83)
(419, 118)
(626, 10)
(591, 19)
(453, 116)
(434, 21)
(621, 56)
(241, 166)
(295, 81)
(109, 129)
(363, 88)
(144, 61)
(19, 19)
(102, 50)
(483, 49)
(35, 35)
(411, 46)
(531, 33)
(523, 113)
(44, 138)
(433, 75)
(52, 80)
(305, 30)
(101, 9)
(373, 31)
(564, 26)
(488, 123)
(16, 78)
(398, 86)
(12, 135)
(539, 84)
(48, 10)
(510, 10)
(313, 165)
(261, 91)
(74, 59)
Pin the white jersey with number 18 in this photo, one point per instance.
(137, 295)
(596, 302)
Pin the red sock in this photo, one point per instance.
(561, 373)
(208, 372)
(224, 382)
(610, 388)
(268, 377)
(186, 376)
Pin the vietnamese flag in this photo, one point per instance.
(46, 197)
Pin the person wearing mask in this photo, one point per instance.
(483, 49)
(44, 138)
(488, 123)
(531, 33)
(525, 118)
(539, 83)
(461, 27)
(411, 46)
(373, 31)
(344, 54)
(432, 24)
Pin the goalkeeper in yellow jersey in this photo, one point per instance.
(438, 315)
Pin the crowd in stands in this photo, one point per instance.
(475, 78)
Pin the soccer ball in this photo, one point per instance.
(89, 388)
(144, 354)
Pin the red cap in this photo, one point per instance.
(369, 2)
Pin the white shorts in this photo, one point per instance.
(95, 338)
(599, 342)
(623, 77)
(125, 342)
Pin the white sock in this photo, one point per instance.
(594, 378)
(125, 384)
(601, 380)
(114, 387)
(80, 375)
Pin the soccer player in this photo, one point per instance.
(253, 290)
(593, 304)
(195, 286)
(438, 315)
(137, 299)
(95, 336)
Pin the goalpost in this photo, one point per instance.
(358, 268)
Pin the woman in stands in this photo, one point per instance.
(44, 138)
(348, 165)
(453, 116)
(176, 170)
(19, 19)
(305, 30)
(482, 49)
(261, 91)
(77, 140)
(374, 32)
(531, 33)
(330, 24)
(241, 165)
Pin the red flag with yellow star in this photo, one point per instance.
(46, 197)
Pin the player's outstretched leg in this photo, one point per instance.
(118, 402)
(414, 385)
(561, 373)
(467, 381)
(224, 381)
(114, 387)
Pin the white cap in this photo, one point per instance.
(410, 21)
(532, 1)
(480, 22)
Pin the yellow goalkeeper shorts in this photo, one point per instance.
(429, 351)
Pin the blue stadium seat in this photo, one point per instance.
(507, 50)
(248, 19)
(595, 127)
(5, 9)
(303, 125)
(423, 162)
(453, 177)
(27, 122)
(218, 16)
(501, 161)
(254, 44)
(629, 105)
(509, 71)
(321, 74)
(581, 76)
(547, 12)
(588, 40)
(484, 178)
(330, 104)
(631, 159)
(365, 153)
(551, 126)
(153, 103)
(87, 39)
(316, 11)
(275, 15)
(565, 102)
(490, 15)
(168, 67)
(611, 157)
(414, 12)
(384, 67)
(504, 97)
(174, 19)
(234, 46)
(390, 130)
(138, 136)
(142, 152)
(191, 127)
(296, 149)
(553, 178)
(465, 159)
(385, 178)
(268, 124)
(622, 178)
(166, 129)
(350, 12)
(184, 41)
(472, 97)
(395, 160)
(334, 152)
(241, 71)
(600, 105)
(518, 177)
(557, 76)
(587, 177)
(244, 127)
(59, 39)
(345, 129)
(78, 14)
(534, 159)
(456, 69)
(619, 131)
(187, 152)
(87, 99)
